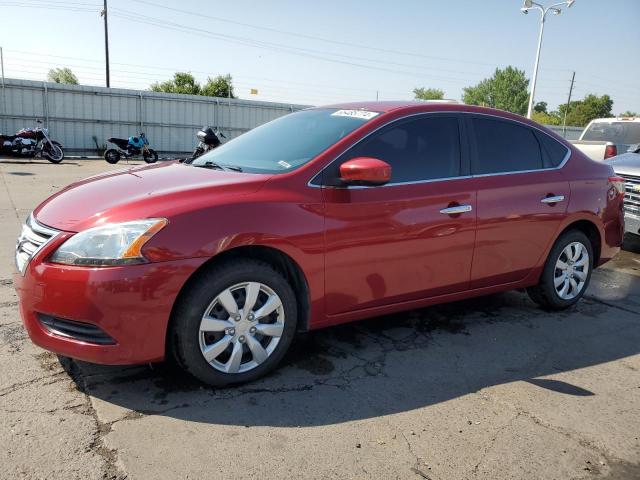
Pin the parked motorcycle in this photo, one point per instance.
(129, 148)
(32, 142)
(208, 140)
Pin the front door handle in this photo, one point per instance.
(456, 210)
(553, 199)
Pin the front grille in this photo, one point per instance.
(631, 194)
(32, 238)
(84, 332)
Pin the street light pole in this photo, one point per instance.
(555, 8)
(535, 68)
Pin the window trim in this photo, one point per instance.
(466, 151)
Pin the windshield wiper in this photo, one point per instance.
(217, 166)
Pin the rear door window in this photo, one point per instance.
(502, 146)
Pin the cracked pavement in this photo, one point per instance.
(486, 388)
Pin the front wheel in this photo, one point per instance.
(150, 156)
(235, 323)
(197, 152)
(566, 273)
(54, 153)
(112, 156)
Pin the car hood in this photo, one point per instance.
(626, 164)
(160, 190)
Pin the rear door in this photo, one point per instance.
(522, 197)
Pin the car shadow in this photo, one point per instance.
(385, 365)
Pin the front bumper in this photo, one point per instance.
(131, 304)
(631, 223)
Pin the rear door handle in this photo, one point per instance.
(456, 210)
(553, 199)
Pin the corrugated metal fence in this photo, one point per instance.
(75, 114)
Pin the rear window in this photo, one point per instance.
(503, 146)
(553, 152)
(616, 132)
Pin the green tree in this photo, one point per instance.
(629, 113)
(506, 90)
(583, 111)
(182, 82)
(62, 75)
(428, 93)
(221, 86)
(540, 107)
(546, 118)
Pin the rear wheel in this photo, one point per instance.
(566, 273)
(196, 153)
(235, 323)
(112, 156)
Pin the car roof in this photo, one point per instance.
(410, 107)
(386, 106)
(419, 106)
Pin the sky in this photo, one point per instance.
(330, 51)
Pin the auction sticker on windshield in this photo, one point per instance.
(362, 114)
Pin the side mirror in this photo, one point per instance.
(365, 171)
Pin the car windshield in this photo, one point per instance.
(288, 142)
(617, 132)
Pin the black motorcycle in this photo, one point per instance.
(32, 142)
(208, 140)
(129, 148)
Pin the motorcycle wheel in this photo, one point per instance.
(197, 152)
(55, 153)
(112, 156)
(151, 157)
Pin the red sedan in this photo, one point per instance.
(320, 217)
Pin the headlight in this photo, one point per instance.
(111, 244)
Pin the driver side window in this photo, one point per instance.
(426, 148)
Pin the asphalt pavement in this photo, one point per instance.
(490, 388)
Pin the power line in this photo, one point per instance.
(271, 46)
(312, 37)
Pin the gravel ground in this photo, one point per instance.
(488, 388)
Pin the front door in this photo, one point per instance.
(412, 238)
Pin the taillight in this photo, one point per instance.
(618, 184)
(610, 151)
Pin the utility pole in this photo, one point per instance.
(106, 42)
(566, 110)
(376, 95)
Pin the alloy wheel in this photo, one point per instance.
(572, 270)
(241, 327)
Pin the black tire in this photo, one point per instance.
(196, 153)
(54, 158)
(184, 334)
(545, 294)
(112, 156)
(151, 157)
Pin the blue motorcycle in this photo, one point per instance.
(129, 148)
